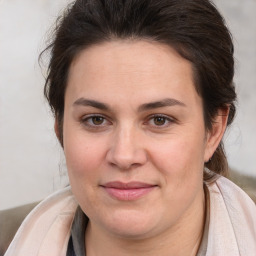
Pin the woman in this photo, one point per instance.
(142, 92)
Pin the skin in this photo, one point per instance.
(163, 144)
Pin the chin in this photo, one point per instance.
(130, 224)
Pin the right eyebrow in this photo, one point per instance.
(91, 103)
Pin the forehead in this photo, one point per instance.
(130, 69)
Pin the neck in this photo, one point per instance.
(183, 239)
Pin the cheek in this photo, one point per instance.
(182, 177)
(177, 155)
(85, 163)
(83, 154)
(84, 168)
(181, 161)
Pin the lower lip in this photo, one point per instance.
(128, 194)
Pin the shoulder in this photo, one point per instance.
(232, 219)
(10, 221)
(234, 197)
(47, 227)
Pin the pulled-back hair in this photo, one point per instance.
(194, 28)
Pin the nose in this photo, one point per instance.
(126, 150)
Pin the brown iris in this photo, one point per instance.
(97, 120)
(159, 120)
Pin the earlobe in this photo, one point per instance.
(56, 129)
(215, 135)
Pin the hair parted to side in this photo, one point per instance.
(194, 28)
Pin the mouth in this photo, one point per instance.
(127, 191)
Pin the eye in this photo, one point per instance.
(95, 121)
(160, 121)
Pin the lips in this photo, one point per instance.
(127, 191)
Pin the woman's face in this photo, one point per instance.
(134, 137)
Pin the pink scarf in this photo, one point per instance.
(232, 224)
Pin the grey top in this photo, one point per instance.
(203, 246)
(76, 246)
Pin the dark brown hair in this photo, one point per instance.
(194, 28)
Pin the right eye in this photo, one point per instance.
(95, 121)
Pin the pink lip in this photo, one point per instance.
(127, 191)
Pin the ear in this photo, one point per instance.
(215, 135)
(56, 129)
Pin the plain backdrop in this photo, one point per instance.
(31, 161)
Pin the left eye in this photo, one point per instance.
(97, 120)
(160, 121)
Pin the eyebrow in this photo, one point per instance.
(91, 103)
(147, 106)
(168, 102)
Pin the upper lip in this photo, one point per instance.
(128, 185)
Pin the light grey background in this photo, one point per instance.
(31, 161)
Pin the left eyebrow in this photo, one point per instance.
(169, 102)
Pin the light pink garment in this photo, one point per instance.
(46, 230)
(232, 225)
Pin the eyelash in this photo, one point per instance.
(88, 121)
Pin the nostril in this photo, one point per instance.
(126, 151)
(128, 161)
